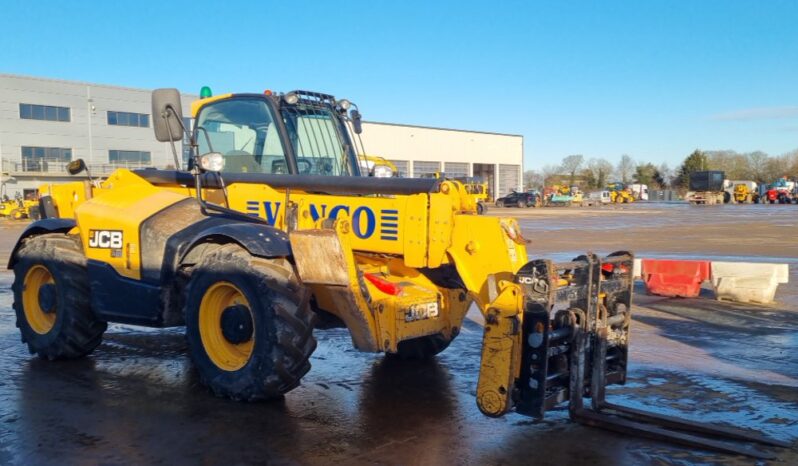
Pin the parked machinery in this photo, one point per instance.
(19, 208)
(706, 188)
(782, 191)
(246, 259)
(379, 167)
(478, 189)
(741, 192)
(620, 193)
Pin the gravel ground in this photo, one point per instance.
(137, 400)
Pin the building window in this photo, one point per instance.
(401, 167)
(44, 112)
(139, 120)
(455, 169)
(42, 159)
(423, 168)
(136, 157)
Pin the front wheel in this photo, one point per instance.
(249, 325)
(499, 203)
(481, 208)
(521, 203)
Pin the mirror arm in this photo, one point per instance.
(94, 182)
(179, 119)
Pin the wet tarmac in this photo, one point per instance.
(137, 400)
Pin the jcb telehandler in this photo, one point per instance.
(270, 228)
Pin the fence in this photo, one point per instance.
(58, 167)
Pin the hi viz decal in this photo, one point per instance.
(366, 223)
(105, 239)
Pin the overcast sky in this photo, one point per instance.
(653, 79)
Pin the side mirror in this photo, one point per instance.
(76, 166)
(356, 121)
(167, 114)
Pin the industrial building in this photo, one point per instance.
(45, 123)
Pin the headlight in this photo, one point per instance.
(344, 104)
(382, 171)
(291, 98)
(212, 162)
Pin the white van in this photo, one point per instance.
(639, 191)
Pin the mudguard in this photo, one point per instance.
(258, 239)
(48, 225)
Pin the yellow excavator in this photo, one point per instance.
(272, 226)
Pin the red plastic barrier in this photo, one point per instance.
(674, 277)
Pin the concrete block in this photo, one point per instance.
(747, 282)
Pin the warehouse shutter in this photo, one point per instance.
(455, 169)
(508, 178)
(401, 167)
(425, 168)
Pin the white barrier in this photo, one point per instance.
(747, 282)
(637, 269)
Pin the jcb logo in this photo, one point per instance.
(105, 239)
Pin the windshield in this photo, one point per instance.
(243, 131)
(317, 140)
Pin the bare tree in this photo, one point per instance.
(571, 165)
(626, 168)
(666, 175)
(533, 179)
(548, 172)
(599, 174)
(758, 166)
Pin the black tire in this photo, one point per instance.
(521, 203)
(76, 331)
(421, 348)
(499, 203)
(481, 208)
(281, 319)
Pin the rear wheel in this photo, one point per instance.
(249, 325)
(521, 203)
(51, 298)
(500, 203)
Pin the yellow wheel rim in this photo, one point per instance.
(41, 322)
(224, 354)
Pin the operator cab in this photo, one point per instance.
(300, 132)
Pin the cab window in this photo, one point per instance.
(243, 131)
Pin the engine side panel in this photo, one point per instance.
(109, 224)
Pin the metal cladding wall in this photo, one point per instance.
(415, 150)
(87, 132)
(450, 150)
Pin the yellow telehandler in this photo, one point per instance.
(271, 227)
